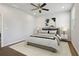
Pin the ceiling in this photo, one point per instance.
(53, 7)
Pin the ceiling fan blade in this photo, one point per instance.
(45, 9)
(38, 4)
(39, 11)
(33, 5)
(43, 5)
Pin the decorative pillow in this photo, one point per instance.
(53, 32)
(59, 37)
(40, 31)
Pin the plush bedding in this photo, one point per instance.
(43, 35)
(44, 42)
(44, 39)
(47, 36)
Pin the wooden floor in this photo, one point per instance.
(72, 49)
(9, 52)
(6, 51)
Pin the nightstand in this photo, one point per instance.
(64, 37)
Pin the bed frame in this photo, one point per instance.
(42, 46)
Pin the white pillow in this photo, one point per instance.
(53, 32)
(42, 31)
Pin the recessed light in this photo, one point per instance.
(34, 13)
(63, 7)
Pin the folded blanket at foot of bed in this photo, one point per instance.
(48, 36)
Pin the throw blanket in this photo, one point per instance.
(47, 36)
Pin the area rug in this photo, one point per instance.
(34, 51)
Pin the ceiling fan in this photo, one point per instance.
(39, 7)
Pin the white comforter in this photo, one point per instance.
(45, 42)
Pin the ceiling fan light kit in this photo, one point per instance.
(39, 7)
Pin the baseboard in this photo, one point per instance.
(75, 47)
(12, 43)
(23, 38)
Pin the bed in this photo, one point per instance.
(45, 41)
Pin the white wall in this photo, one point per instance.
(16, 25)
(62, 19)
(75, 27)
